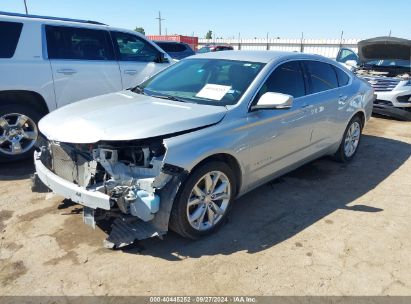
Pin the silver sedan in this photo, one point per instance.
(175, 151)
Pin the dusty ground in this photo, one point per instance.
(325, 229)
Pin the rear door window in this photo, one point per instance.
(9, 37)
(172, 47)
(78, 43)
(132, 48)
(322, 76)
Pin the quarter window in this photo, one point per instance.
(287, 79)
(78, 43)
(9, 37)
(322, 76)
(342, 76)
(132, 48)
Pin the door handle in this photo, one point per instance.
(342, 98)
(130, 72)
(67, 71)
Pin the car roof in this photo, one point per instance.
(216, 45)
(168, 41)
(49, 18)
(257, 56)
(66, 22)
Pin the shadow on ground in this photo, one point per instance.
(16, 170)
(276, 211)
(280, 209)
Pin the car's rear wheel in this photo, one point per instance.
(18, 132)
(351, 140)
(203, 201)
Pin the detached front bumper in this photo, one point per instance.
(126, 228)
(86, 197)
(395, 104)
(387, 109)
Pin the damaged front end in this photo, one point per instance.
(125, 181)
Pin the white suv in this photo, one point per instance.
(385, 62)
(48, 62)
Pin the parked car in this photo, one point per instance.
(176, 50)
(188, 141)
(48, 62)
(215, 48)
(385, 62)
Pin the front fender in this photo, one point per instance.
(188, 150)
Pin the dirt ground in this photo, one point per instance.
(324, 229)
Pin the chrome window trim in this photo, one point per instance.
(299, 60)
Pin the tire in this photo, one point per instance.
(8, 126)
(344, 153)
(181, 212)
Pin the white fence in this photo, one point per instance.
(326, 47)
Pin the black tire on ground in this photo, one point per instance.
(33, 114)
(340, 155)
(178, 219)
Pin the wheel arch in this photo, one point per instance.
(361, 115)
(230, 160)
(23, 97)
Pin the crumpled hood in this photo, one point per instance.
(384, 48)
(125, 116)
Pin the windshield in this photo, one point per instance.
(206, 81)
(393, 63)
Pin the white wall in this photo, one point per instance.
(326, 47)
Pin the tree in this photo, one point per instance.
(139, 29)
(209, 35)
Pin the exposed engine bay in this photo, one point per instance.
(131, 173)
(384, 72)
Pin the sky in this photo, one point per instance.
(227, 18)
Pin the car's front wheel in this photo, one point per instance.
(204, 200)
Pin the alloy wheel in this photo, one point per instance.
(18, 133)
(352, 138)
(208, 200)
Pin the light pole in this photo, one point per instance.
(25, 6)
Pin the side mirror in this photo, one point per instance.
(270, 101)
(351, 63)
(161, 58)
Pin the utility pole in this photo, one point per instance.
(302, 43)
(159, 22)
(341, 39)
(389, 35)
(25, 6)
